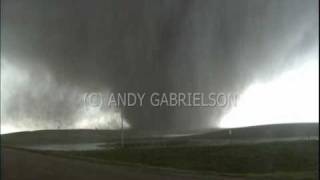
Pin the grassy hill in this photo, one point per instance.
(266, 131)
(92, 136)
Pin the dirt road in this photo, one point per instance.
(24, 165)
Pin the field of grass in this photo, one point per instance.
(194, 153)
(245, 159)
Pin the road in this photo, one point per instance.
(24, 165)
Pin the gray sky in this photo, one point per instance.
(54, 51)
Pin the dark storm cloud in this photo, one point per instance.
(146, 46)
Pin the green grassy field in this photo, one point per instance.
(256, 158)
(45, 137)
(277, 160)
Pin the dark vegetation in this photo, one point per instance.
(131, 136)
(256, 158)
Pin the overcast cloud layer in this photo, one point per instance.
(54, 51)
